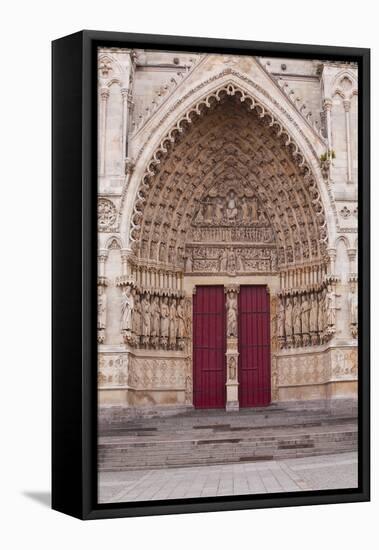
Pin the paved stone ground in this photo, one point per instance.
(298, 474)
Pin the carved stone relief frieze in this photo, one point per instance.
(299, 370)
(112, 369)
(344, 364)
(156, 373)
(230, 260)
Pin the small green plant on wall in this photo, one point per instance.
(328, 155)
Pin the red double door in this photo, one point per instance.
(209, 347)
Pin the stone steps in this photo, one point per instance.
(195, 440)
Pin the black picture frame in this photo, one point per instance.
(74, 365)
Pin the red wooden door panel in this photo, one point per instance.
(254, 374)
(209, 347)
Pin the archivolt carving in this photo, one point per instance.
(245, 147)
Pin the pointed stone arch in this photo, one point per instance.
(289, 136)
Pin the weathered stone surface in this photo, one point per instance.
(217, 169)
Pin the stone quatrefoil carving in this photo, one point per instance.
(228, 137)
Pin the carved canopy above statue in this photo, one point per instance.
(228, 177)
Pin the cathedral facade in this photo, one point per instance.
(227, 230)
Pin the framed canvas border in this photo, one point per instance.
(74, 272)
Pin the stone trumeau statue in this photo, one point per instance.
(231, 315)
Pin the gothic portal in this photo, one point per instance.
(227, 230)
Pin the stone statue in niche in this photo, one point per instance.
(224, 261)
(189, 262)
(155, 313)
(232, 264)
(313, 318)
(239, 262)
(280, 320)
(208, 211)
(353, 310)
(101, 307)
(305, 314)
(172, 326)
(181, 321)
(231, 207)
(321, 315)
(162, 252)
(262, 216)
(246, 210)
(146, 320)
(330, 306)
(136, 317)
(231, 315)
(232, 368)
(101, 314)
(288, 321)
(165, 321)
(126, 312)
(296, 320)
(219, 211)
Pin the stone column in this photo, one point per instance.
(231, 304)
(125, 122)
(352, 254)
(346, 104)
(104, 95)
(327, 108)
